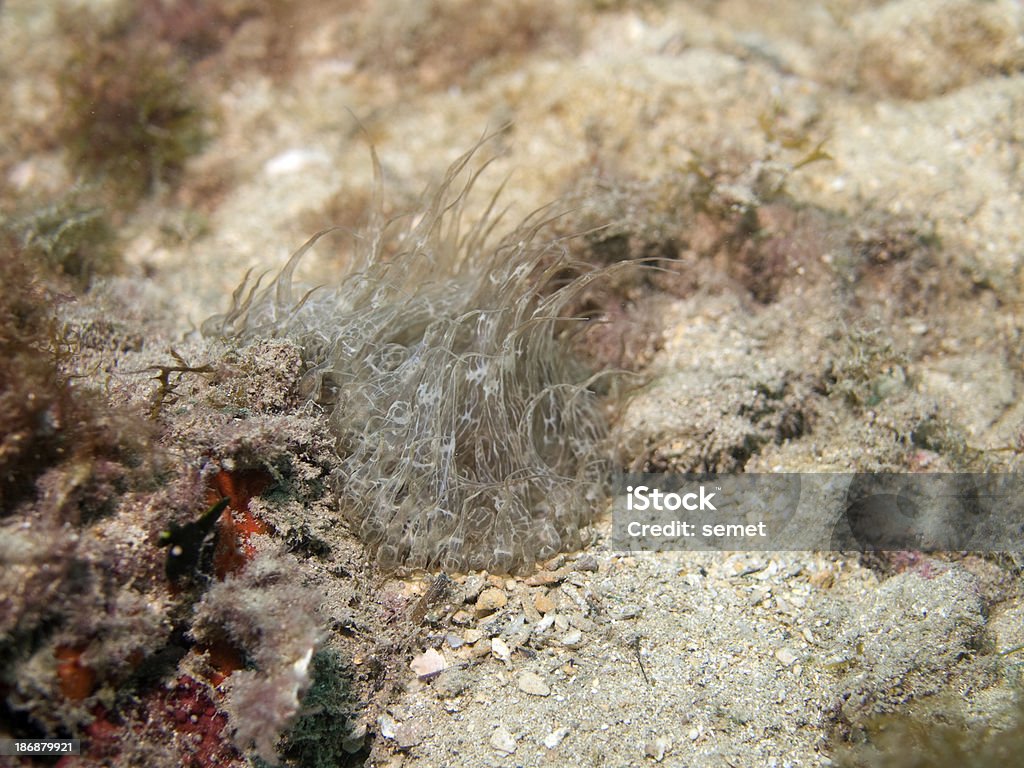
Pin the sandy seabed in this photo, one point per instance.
(834, 192)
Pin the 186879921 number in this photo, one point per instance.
(15, 747)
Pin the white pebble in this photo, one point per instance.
(572, 639)
(786, 656)
(553, 739)
(387, 726)
(500, 649)
(503, 741)
(428, 664)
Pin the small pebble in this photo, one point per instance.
(490, 600)
(573, 594)
(428, 664)
(626, 612)
(543, 603)
(544, 578)
(582, 623)
(500, 649)
(387, 726)
(407, 735)
(533, 684)
(472, 587)
(529, 608)
(553, 739)
(544, 623)
(480, 648)
(656, 749)
(572, 639)
(786, 656)
(503, 741)
(451, 683)
(353, 741)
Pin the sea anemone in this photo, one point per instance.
(468, 432)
